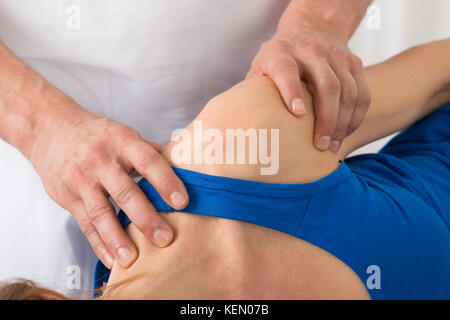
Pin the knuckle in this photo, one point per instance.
(338, 54)
(313, 49)
(286, 64)
(74, 171)
(271, 66)
(356, 62)
(279, 46)
(86, 185)
(282, 67)
(124, 194)
(93, 153)
(347, 102)
(119, 130)
(98, 213)
(71, 176)
(330, 83)
(101, 120)
(88, 228)
(349, 98)
(146, 159)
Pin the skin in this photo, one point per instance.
(215, 258)
(83, 157)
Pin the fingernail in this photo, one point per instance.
(162, 237)
(334, 145)
(178, 199)
(109, 261)
(298, 106)
(125, 256)
(323, 143)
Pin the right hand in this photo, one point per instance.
(83, 157)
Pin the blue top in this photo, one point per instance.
(385, 215)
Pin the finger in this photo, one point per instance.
(326, 92)
(153, 166)
(349, 95)
(158, 147)
(87, 227)
(130, 198)
(285, 72)
(103, 216)
(364, 98)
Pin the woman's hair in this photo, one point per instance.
(22, 289)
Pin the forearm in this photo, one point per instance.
(342, 16)
(25, 97)
(404, 89)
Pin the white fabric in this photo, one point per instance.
(152, 65)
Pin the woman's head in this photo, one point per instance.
(22, 289)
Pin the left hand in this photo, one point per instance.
(319, 55)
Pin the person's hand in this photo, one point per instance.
(318, 55)
(83, 157)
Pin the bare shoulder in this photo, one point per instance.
(276, 146)
(242, 260)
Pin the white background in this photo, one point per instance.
(404, 23)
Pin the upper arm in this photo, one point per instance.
(404, 89)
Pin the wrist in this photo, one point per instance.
(338, 17)
(24, 106)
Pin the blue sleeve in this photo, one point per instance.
(420, 158)
(429, 136)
